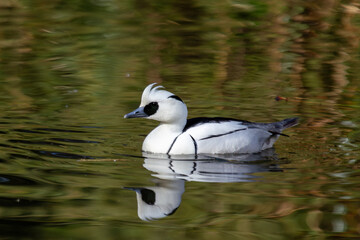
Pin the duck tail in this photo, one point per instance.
(289, 122)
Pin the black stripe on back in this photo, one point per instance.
(219, 135)
(201, 120)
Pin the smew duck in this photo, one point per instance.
(178, 135)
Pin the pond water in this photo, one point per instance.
(71, 166)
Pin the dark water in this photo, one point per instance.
(69, 162)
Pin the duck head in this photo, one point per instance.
(160, 105)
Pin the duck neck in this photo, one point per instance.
(177, 126)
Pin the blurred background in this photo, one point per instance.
(70, 70)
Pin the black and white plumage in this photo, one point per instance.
(178, 135)
(159, 201)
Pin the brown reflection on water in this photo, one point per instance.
(81, 62)
(15, 43)
(320, 69)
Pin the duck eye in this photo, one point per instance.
(151, 108)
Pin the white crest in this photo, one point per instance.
(152, 94)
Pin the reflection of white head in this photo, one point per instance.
(159, 201)
(163, 199)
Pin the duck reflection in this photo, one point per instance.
(172, 172)
(159, 201)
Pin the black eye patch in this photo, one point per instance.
(176, 97)
(151, 108)
(148, 196)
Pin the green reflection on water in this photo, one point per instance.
(69, 70)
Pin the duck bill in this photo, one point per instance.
(137, 113)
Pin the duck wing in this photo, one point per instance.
(205, 128)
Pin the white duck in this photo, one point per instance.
(178, 135)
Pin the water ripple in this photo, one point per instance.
(61, 154)
(73, 140)
(16, 180)
(22, 156)
(59, 130)
(27, 131)
(35, 142)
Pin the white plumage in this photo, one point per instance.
(178, 135)
(159, 201)
(164, 198)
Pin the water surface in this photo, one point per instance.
(69, 162)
